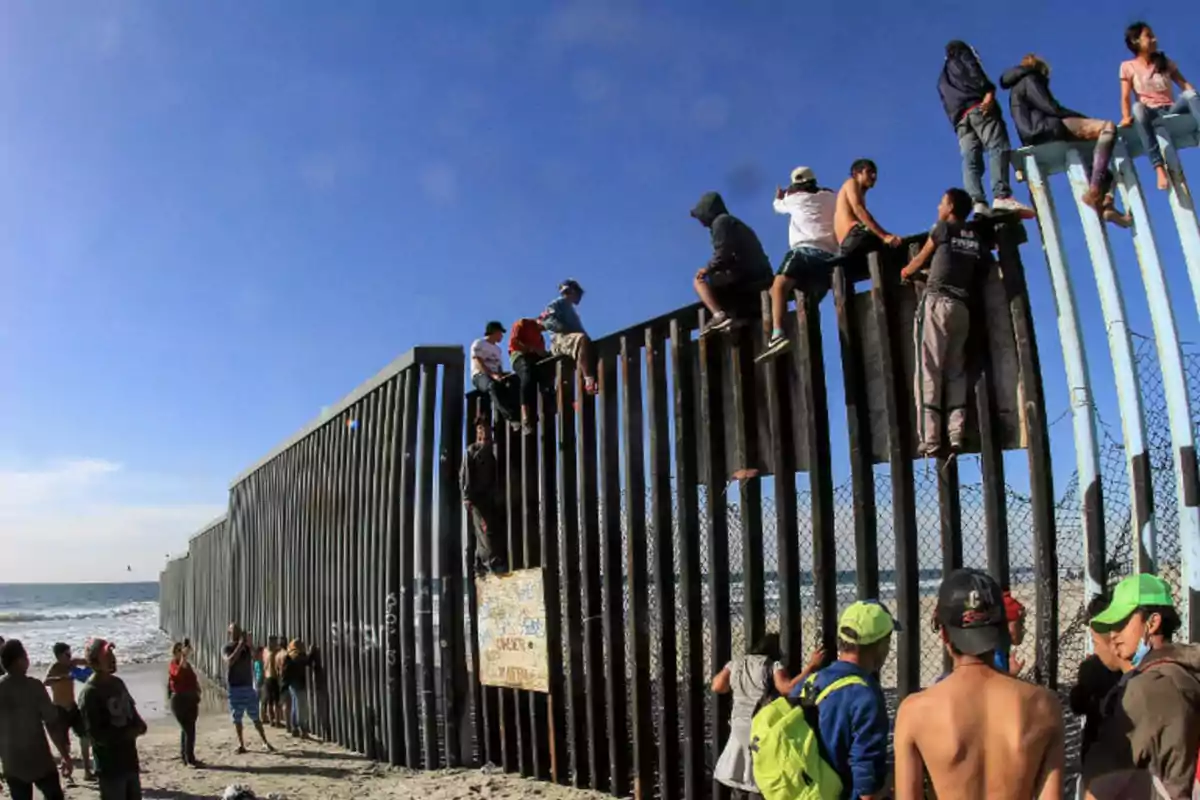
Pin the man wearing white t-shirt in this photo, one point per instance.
(487, 372)
(812, 248)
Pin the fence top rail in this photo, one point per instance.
(1052, 156)
(426, 354)
(208, 528)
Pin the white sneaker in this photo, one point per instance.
(1013, 206)
(981, 210)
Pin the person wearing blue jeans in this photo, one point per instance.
(969, 98)
(1150, 75)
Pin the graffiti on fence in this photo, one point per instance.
(512, 631)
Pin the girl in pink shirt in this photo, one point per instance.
(1149, 75)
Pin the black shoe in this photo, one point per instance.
(718, 324)
(777, 345)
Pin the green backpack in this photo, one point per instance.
(787, 758)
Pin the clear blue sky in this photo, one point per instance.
(217, 217)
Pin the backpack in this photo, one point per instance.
(787, 756)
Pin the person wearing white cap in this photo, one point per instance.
(812, 247)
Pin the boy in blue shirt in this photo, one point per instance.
(567, 336)
(852, 724)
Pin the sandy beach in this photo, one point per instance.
(298, 770)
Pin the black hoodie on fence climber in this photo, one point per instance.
(735, 246)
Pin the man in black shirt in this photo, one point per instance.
(239, 678)
(113, 724)
(481, 495)
(943, 321)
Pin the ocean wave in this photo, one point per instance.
(59, 615)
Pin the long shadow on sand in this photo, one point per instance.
(282, 769)
(317, 755)
(172, 794)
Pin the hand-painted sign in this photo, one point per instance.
(512, 631)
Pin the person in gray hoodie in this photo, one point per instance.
(738, 265)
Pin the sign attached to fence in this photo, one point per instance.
(512, 631)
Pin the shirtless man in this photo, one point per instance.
(979, 732)
(857, 231)
(61, 679)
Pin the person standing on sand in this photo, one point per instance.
(183, 693)
(1095, 691)
(320, 692)
(113, 724)
(295, 675)
(26, 717)
(60, 678)
(239, 677)
(271, 682)
(979, 732)
(283, 709)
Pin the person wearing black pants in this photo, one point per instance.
(183, 689)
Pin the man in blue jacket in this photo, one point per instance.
(852, 722)
(969, 98)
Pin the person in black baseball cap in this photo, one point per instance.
(980, 732)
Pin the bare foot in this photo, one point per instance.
(1164, 180)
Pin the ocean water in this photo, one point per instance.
(124, 613)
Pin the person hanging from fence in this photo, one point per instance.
(727, 285)
(812, 248)
(845, 753)
(487, 372)
(980, 732)
(969, 97)
(1014, 614)
(1160, 701)
(955, 251)
(567, 336)
(479, 480)
(754, 680)
(1040, 118)
(1149, 75)
(526, 350)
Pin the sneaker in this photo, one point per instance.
(513, 425)
(777, 345)
(981, 210)
(720, 322)
(1012, 206)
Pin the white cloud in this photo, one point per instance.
(59, 523)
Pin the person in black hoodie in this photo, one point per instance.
(738, 263)
(1040, 118)
(969, 98)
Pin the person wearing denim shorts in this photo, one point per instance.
(812, 248)
(239, 678)
(1149, 75)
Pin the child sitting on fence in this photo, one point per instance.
(567, 336)
(943, 321)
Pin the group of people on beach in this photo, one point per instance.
(979, 730)
(104, 717)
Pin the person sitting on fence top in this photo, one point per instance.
(480, 484)
(857, 231)
(980, 732)
(1039, 118)
(943, 320)
(1160, 703)
(526, 349)
(1149, 75)
(1014, 613)
(969, 98)
(567, 337)
(852, 720)
(487, 372)
(738, 265)
(812, 246)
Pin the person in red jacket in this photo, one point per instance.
(183, 692)
(526, 349)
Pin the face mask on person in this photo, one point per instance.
(1143, 649)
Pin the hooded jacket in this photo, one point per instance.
(735, 245)
(963, 83)
(1036, 113)
(1162, 702)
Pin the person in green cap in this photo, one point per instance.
(1160, 703)
(853, 724)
